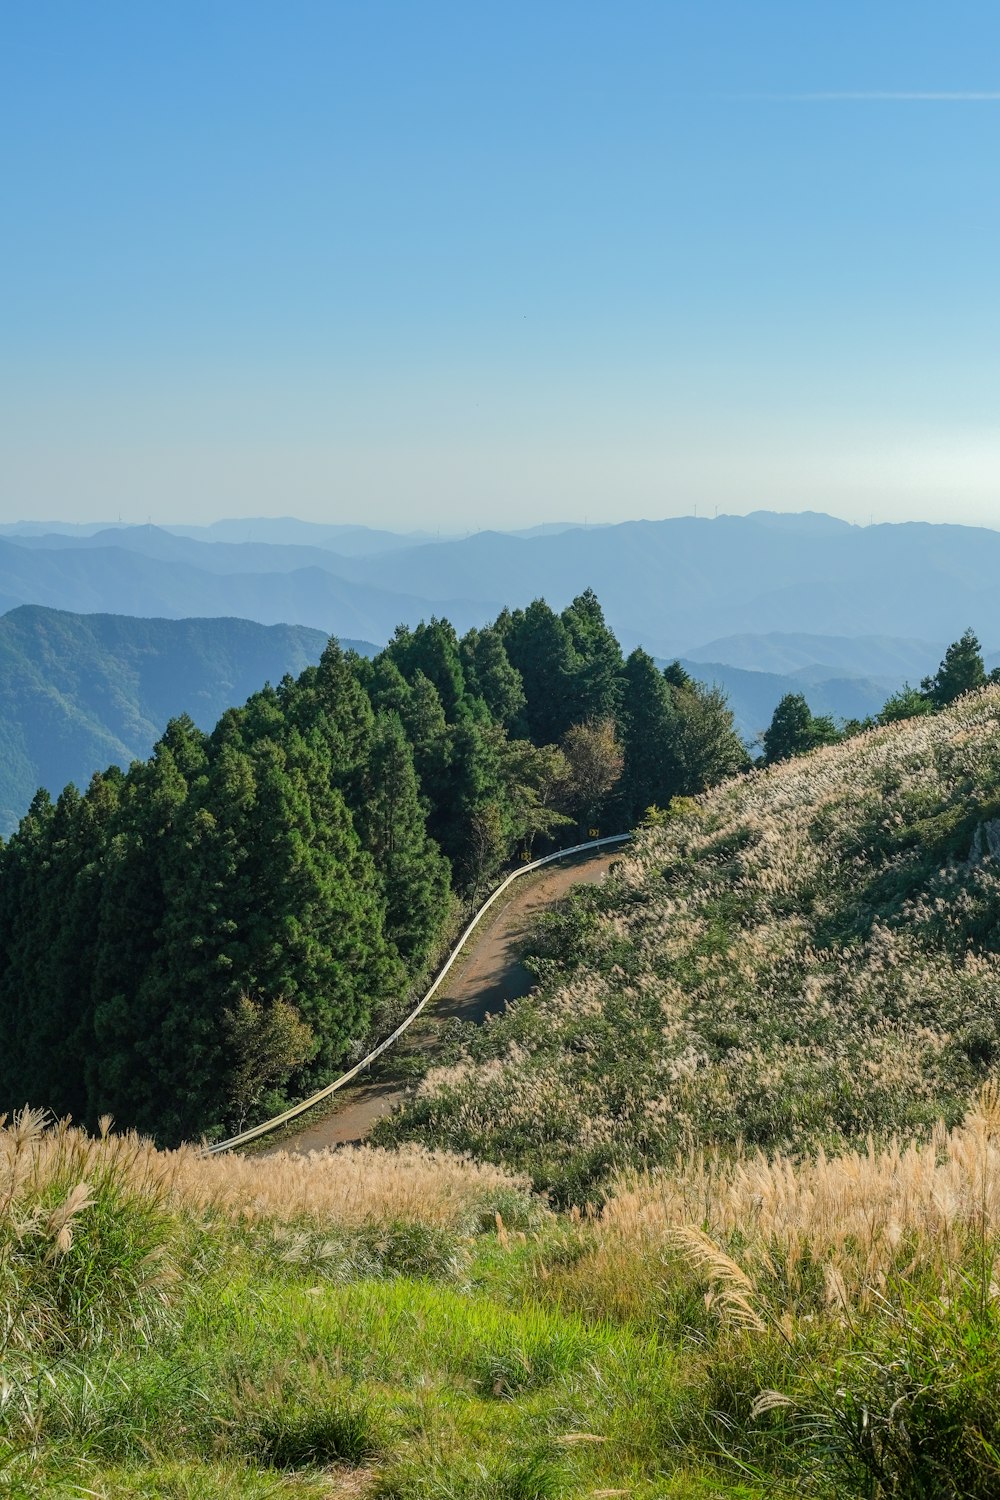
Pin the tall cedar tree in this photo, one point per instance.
(653, 772)
(597, 688)
(412, 871)
(794, 730)
(540, 647)
(433, 650)
(491, 677)
(142, 1035)
(960, 672)
(47, 911)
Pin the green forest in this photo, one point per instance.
(189, 944)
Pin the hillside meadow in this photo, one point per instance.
(803, 958)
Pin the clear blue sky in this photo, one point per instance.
(464, 265)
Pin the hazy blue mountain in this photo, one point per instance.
(753, 696)
(675, 584)
(212, 557)
(811, 523)
(818, 657)
(83, 577)
(81, 692)
(46, 528)
(286, 531)
(756, 591)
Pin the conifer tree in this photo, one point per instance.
(386, 686)
(653, 771)
(412, 871)
(330, 700)
(45, 925)
(144, 1035)
(539, 646)
(908, 703)
(427, 730)
(794, 730)
(597, 687)
(961, 671)
(173, 879)
(490, 675)
(433, 650)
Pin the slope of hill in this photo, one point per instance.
(801, 957)
(81, 692)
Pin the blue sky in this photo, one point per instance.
(469, 265)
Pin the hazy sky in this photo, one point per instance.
(490, 264)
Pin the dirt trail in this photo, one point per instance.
(484, 982)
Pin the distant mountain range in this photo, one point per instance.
(753, 696)
(139, 623)
(678, 587)
(815, 657)
(81, 692)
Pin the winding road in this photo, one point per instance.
(489, 977)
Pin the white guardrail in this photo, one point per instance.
(338, 1083)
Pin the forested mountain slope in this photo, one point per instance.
(81, 692)
(802, 956)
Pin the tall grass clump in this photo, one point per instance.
(84, 1230)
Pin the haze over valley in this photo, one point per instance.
(676, 586)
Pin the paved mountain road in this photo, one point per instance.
(490, 975)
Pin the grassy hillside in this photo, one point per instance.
(81, 692)
(798, 959)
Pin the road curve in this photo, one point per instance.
(491, 975)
